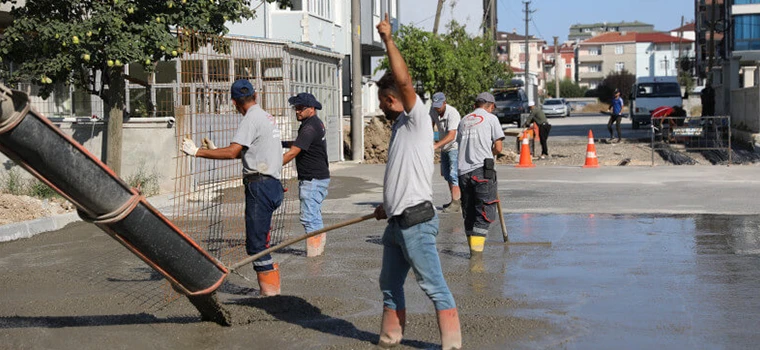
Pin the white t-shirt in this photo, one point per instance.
(449, 121)
(409, 173)
(477, 133)
(260, 137)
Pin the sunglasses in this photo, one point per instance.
(300, 108)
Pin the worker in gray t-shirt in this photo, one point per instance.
(257, 142)
(409, 240)
(446, 118)
(480, 139)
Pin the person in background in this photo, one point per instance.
(538, 117)
(446, 118)
(616, 110)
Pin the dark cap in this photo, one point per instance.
(241, 88)
(485, 97)
(617, 91)
(305, 99)
(438, 99)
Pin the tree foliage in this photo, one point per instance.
(567, 88)
(455, 63)
(622, 81)
(69, 41)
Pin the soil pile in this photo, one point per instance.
(377, 134)
(22, 208)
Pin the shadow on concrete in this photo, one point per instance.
(89, 321)
(300, 312)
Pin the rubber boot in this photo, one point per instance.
(269, 281)
(392, 327)
(315, 246)
(477, 243)
(454, 207)
(451, 334)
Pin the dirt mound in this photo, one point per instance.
(377, 134)
(22, 208)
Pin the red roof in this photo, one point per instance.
(688, 27)
(659, 38)
(517, 70)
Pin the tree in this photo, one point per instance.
(74, 41)
(455, 63)
(567, 88)
(622, 80)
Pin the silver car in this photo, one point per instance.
(554, 107)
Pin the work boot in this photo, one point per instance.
(315, 246)
(269, 281)
(451, 334)
(476, 243)
(455, 207)
(392, 327)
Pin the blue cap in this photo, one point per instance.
(438, 99)
(305, 99)
(241, 88)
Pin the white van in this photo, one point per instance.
(649, 93)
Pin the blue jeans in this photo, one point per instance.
(413, 248)
(312, 193)
(450, 166)
(262, 198)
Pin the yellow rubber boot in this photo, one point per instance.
(392, 327)
(451, 333)
(269, 281)
(477, 243)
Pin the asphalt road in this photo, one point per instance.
(578, 125)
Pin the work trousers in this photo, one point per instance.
(479, 198)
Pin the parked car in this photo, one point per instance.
(555, 107)
(511, 102)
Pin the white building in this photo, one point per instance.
(657, 54)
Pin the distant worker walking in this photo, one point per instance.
(538, 117)
(616, 108)
(480, 140)
(446, 118)
(310, 152)
(257, 143)
(409, 238)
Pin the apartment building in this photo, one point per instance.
(566, 62)
(581, 32)
(511, 50)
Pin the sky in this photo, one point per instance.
(552, 17)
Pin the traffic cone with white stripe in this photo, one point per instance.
(591, 160)
(525, 160)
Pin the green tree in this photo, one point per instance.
(74, 41)
(567, 88)
(455, 63)
(622, 81)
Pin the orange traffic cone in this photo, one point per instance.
(591, 160)
(525, 160)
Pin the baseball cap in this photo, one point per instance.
(531, 104)
(438, 99)
(305, 99)
(617, 91)
(241, 88)
(485, 97)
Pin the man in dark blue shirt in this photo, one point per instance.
(616, 108)
(310, 151)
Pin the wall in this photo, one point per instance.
(745, 109)
(150, 147)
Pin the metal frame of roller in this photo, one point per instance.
(104, 199)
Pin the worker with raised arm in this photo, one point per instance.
(409, 240)
(310, 152)
(257, 143)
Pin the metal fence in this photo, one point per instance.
(674, 137)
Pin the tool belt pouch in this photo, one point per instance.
(488, 169)
(416, 215)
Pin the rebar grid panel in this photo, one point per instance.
(674, 136)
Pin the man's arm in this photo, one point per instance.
(232, 151)
(497, 147)
(290, 154)
(398, 66)
(450, 136)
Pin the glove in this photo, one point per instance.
(208, 144)
(189, 147)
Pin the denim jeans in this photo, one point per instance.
(312, 193)
(262, 198)
(450, 166)
(413, 248)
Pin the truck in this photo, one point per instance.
(649, 93)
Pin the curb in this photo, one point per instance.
(30, 228)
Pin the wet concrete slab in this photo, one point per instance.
(606, 281)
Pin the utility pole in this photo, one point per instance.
(438, 16)
(711, 47)
(527, 51)
(556, 67)
(357, 116)
(680, 50)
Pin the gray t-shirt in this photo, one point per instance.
(449, 121)
(477, 133)
(409, 172)
(260, 137)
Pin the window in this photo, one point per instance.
(522, 65)
(619, 50)
(593, 85)
(594, 51)
(619, 66)
(594, 68)
(747, 32)
(320, 8)
(568, 66)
